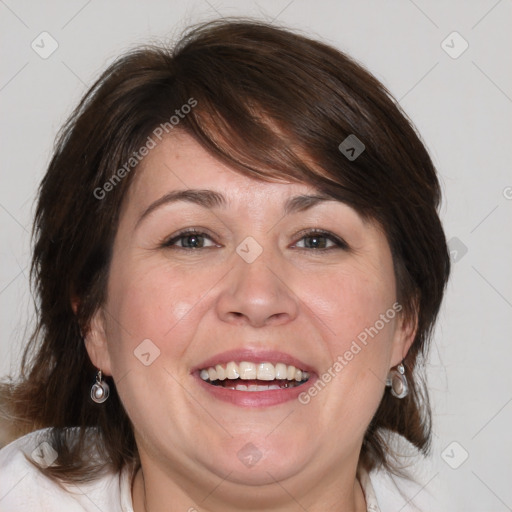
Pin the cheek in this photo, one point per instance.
(348, 308)
(149, 304)
(350, 302)
(153, 320)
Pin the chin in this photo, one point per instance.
(260, 461)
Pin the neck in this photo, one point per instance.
(153, 492)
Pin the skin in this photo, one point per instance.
(308, 302)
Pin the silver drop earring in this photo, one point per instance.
(397, 381)
(100, 389)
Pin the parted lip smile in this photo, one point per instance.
(263, 374)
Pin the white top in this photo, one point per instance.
(23, 488)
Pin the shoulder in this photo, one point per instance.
(395, 493)
(24, 488)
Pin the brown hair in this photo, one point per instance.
(272, 104)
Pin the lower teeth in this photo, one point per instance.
(238, 385)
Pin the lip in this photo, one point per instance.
(254, 356)
(254, 398)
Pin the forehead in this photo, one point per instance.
(180, 162)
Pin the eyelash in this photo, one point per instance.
(311, 233)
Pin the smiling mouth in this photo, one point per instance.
(247, 376)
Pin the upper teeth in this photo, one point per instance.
(250, 371)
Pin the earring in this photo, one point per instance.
(100, 389)
(397, 381)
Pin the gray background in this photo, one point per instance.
(462, 107)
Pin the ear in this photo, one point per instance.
(405, 332)
(96, 343)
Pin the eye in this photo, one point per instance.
(190, 239)
(320, 240)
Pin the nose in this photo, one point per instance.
(257, 294)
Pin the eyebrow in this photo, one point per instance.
(211, 199)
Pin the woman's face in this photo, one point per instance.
(257, 282)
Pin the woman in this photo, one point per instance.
(239, 263)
